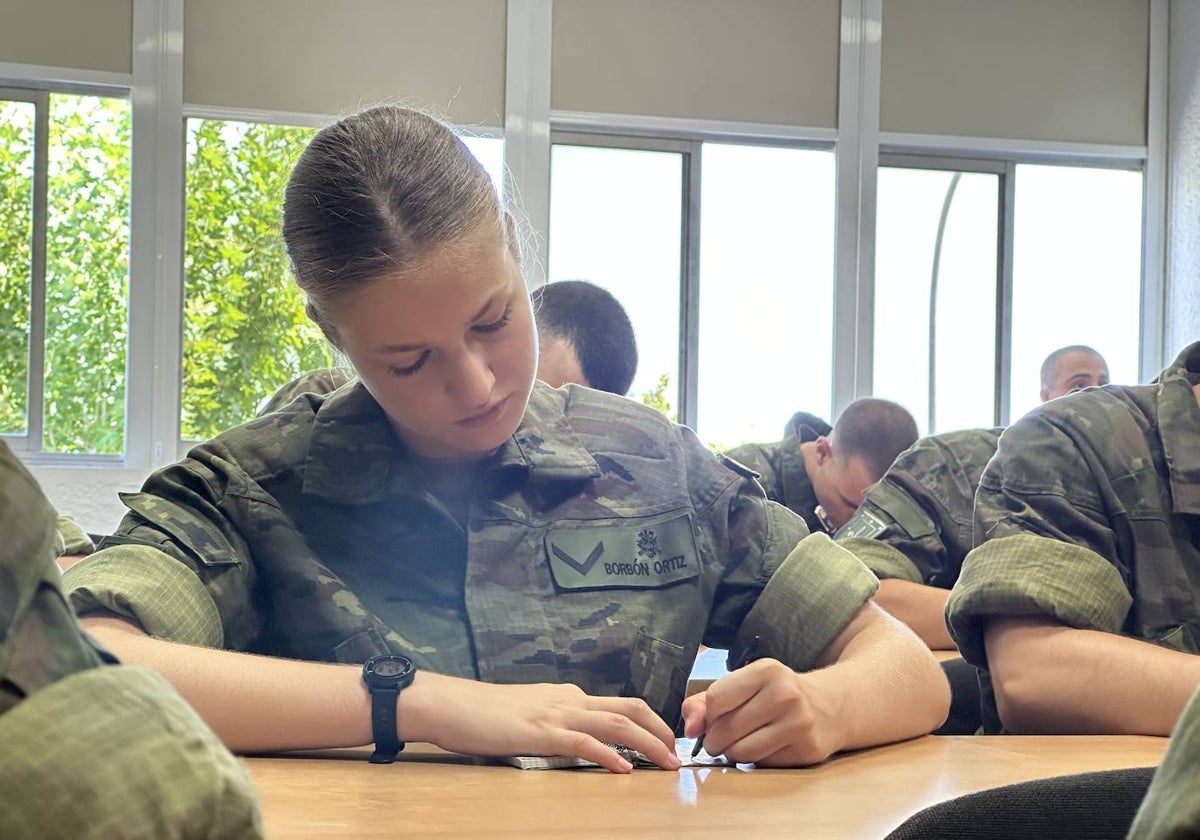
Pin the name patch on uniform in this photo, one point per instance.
(623, 556)
(865, 523)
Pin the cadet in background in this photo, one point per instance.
(821, 471)
(1080, 602)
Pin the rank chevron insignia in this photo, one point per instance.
(584, 567)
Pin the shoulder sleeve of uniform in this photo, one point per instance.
(809, 599)
(155, 590)
(1027, 575)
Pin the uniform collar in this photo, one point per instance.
(1179, 428)
(355, 457)
(795, 485)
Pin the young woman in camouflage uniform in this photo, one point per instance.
(550, 559)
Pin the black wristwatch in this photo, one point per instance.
(386, 675)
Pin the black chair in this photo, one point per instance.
(1091, 806)
(965, 715)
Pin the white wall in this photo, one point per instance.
(89, 496)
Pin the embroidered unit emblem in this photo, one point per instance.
(647, 543)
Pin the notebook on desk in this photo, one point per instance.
(683, 749)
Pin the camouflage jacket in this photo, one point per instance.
(916, 522)
(322, 381)
(1089, 514)
(1171, 808)
(57, 778)
(602, 545)
(781, 466)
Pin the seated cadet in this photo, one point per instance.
(91, 749)
(449, 551)
(915, 526)
(1081, 601)
(1070, 369)
(821, 471)
(584, 336)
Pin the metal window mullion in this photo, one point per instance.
(1153, 353)
(154, 350)
(35, 400)
(527, 123)
(856, 178)
(689, 292)
(1004, 295)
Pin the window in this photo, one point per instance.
(949, 284)
(630, 213)
(1076, 271)
(935, 295)
(245, 332)
(766, 290)
(615, 220)
(64, 264)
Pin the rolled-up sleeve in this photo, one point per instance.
(1044, 543)
(154, 589)
(809, 599)
(1029, 575)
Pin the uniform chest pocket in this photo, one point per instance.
(647, 554)
(658, 673)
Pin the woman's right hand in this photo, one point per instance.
(479, 718)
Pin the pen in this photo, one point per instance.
(749, 654)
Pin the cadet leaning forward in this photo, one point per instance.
(462, 550)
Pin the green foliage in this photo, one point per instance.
(656, 397)
(87, 269)
(245, 331)
(16, 238)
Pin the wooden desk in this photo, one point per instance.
(430, 794)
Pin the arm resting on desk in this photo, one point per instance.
(264, 704)
(921, 607)
(876, 682)
(1053, 679)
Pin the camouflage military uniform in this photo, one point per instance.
(92, 750)
(1091, 514)
(1171, 809)
(602, 545)
(915, 523)
(74, 540)
(314, 382)
(781, 466)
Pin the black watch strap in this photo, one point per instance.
(383, 724)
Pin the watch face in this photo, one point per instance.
(390, 668)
